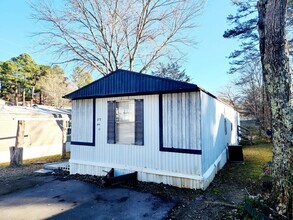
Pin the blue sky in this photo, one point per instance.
(207, 64)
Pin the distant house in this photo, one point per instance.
(2, 104)
(43, 133)
(168, 131)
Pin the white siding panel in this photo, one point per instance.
(181, 121)
(214, 139)
(82, 120)
(138, 157)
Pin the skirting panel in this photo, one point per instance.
(209, 175)
(182, 182)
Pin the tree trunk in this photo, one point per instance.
(1, 90)
(16, 153)
(23, 97)
(41, 98)
(64, 138)
(20, 133)
(33, 94)
(16, 97)
(277, 81)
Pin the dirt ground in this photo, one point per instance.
(16, 178)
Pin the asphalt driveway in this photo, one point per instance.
(73, 199)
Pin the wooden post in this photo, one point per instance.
(16, 152)
(64, 138)
(16, 156)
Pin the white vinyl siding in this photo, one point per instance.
(181, 121)
(135, 157)
(192, 120)
(216, 128)
(82, 121)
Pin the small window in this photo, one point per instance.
(125, 124)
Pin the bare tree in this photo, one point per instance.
(112, 34)
(230, 95)
(55, 85)
(274, 52)
(247, 95)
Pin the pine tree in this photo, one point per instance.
(171, 71)
(277, 78)
(81, 78)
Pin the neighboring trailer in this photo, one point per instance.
(167, 131)
(43, 134)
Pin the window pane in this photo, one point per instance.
(125, 133)
(125, 111)
(125, 128)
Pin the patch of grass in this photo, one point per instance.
(46, 159)
(257, 208)
(216, 190)
(255, 157)
(250, 171)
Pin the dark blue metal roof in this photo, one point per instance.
(123, 82)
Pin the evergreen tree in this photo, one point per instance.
(171, 71)
(81, 78)
(244, 28)
(26, 71)
(277, 80)
(17, 75)
(261, 27)
(246, 61)
(9, 81)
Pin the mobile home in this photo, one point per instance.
(168, 131)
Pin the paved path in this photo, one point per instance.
(73, 199)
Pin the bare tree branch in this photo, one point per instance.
(110, 34)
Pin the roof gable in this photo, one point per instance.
(123, 82)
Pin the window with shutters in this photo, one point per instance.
(125, 122)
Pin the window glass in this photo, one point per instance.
(125, 127)
(125, 111)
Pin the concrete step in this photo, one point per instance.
(44, 171)
(63, 165)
